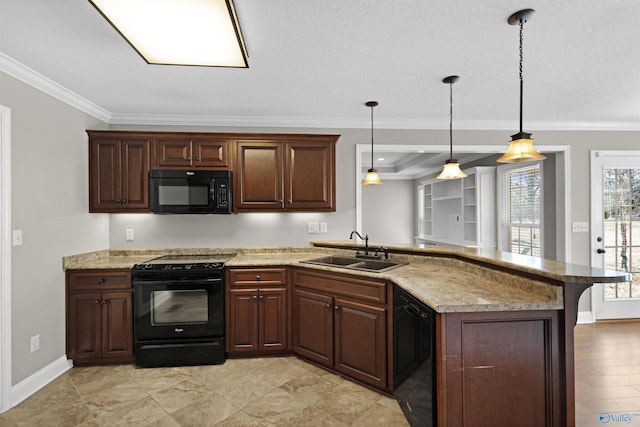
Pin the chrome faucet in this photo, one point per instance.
(365, 238)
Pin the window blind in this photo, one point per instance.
(520, 209)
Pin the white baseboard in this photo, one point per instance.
(585, 317)
(35, 382)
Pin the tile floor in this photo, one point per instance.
(289, 392)
(282, 391)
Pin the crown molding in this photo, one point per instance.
(38, 81)
(25, 74)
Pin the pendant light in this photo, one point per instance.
(521, 147)
(451, 168)
(372, 174)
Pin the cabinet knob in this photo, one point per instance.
(258, 277)
(96, 301)
(104, 301)
(289, 201)
(102, 280)
(336, 308)
(125, 201)
(261, 297)
(188, 157)
(255, 297)
(197, 159)
(328, 306)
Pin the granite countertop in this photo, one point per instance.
(446, 285)
(546, 268)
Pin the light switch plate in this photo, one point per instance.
(17, 237)
(580, 227)
(323, 227)
(313, 227)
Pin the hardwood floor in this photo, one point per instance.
(607, 361)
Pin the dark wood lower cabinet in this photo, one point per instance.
(499, 369)
(341, 322)
(361, 341)
(99, 316)
(313, 326)
(257, 311)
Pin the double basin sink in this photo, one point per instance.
(355, 263)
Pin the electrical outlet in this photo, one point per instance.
(129, 234)
(17, 237)
(35, 343)
(580, 227)
(323, 227)
(313, 227)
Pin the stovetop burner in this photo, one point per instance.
(184, 263)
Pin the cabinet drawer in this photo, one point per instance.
(336, 284)
(258, 276)
(99, 279)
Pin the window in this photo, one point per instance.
(520, 209)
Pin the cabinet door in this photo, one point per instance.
(84, 326)
(104, 175)
(313, 326)
(210, 153)
(117, 324)
(273, 319)
(173, 152)
(309, 176)
(242, 320)
(259, 176)
(361, 341)
(119, 173)
(135, 174)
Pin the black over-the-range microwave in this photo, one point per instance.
(190, 192)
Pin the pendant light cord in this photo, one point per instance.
(521, 79)
(450, 120)
(372, 137)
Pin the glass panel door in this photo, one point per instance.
(616, 231)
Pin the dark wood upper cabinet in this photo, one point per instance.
(272, 172)
(119, 172)
(296, 173)
(192, 151)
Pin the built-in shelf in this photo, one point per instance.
(461, 212)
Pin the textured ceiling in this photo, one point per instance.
(315, 63)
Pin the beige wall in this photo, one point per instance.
(50, 199)
(49, 203)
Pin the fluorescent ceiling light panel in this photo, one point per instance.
(179, 32)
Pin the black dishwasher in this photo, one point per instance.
(414, 358)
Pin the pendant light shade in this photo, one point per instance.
(451, 168)
(372, 177)
(521, 147)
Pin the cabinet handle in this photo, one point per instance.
(258, 277)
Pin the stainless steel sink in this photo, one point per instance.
(355, 263)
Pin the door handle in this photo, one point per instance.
(600, 251)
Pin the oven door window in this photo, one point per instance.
(183, 195)
(169, 307)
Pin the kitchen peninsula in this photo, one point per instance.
(504, 322)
